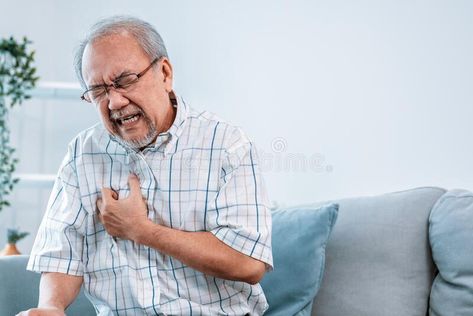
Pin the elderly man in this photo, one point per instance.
(159, 210)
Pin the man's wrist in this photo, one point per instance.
(145, 233)
(52, 306)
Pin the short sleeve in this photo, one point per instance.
(59, 241)
(240, 214)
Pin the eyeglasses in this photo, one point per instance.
(97, 93)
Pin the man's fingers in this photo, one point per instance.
(99, 209)
(42, 311)
(134, 183)
(115, 194)
(109, 194)
(99, 204)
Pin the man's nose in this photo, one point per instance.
(116, 100)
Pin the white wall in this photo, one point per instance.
(376, 95)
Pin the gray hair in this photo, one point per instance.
(144, 33)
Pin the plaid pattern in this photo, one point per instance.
(200, 175)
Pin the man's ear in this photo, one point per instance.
(167, 73)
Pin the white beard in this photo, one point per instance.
(137, 144)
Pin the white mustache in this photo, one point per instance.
(130, 110)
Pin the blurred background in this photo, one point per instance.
(342, 98)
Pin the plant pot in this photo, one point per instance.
(9, 250)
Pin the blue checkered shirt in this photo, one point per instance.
(200, 175)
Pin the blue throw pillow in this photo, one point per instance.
(299, 237)
(451, 241)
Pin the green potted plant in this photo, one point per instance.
(13, 236)
(17, 78)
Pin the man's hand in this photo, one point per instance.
(123, 218)
(42, 312)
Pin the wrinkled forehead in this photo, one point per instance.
(107, 57)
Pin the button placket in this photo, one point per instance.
(148, 181)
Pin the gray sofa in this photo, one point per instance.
(378, 261)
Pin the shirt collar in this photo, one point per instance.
(181, 116)
(168, 139)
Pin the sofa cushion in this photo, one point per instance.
(378, 256)
(451, 240)
(299, 237)
(19, 289)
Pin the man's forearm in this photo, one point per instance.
(58, 290)
(203, 252)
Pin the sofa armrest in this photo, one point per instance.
(19, 289)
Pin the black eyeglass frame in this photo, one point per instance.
(115, 84)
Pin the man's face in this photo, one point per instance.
(136, 116)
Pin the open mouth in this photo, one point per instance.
(129, 119)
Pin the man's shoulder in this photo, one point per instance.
(93, 138)
(205, 118)
(208, 124)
